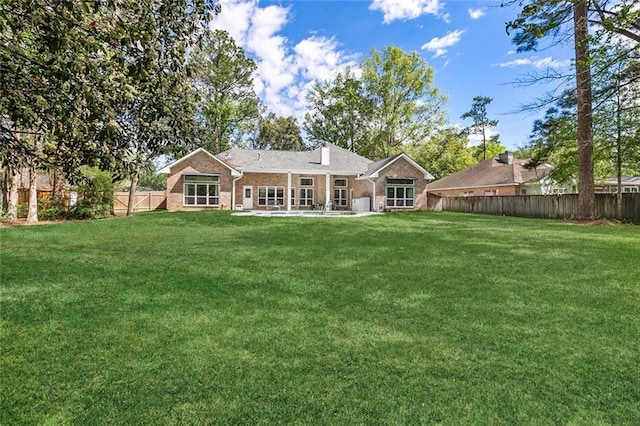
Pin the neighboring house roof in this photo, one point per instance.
(498, 171)
(272, 161)
(626, 180)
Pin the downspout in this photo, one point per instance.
(373, 197)
(288, 191)
(327, 191)
(233, 190)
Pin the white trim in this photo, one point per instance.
(304, 172)
(313, 181)
(167, 169)
(427, 175)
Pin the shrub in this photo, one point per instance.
(95, 195)
(52, 208)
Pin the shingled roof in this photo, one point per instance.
(252, 160)
(501, 170)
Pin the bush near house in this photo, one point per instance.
(413, 318)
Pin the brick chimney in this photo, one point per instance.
(506, 157)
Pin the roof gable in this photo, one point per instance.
(375, 168)
(167, 169)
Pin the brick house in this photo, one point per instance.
(501, 175)
(328, 177)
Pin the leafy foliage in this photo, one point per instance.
(393, 104)
(340, 113)
(281, 133)
(228, 108)
(95, 195)
(444, 153)
(407, 107)
(481, 123)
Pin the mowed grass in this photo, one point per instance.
(415, 318)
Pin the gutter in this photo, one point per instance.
(373, 197)
(233, 190)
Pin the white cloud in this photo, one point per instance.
(547, 62)
(476, 13)
(284, 72)
(439, 45)
(407, 9)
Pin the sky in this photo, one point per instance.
(295, 42)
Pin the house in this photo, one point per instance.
(501, 175)
(630, 184)
(328, 177)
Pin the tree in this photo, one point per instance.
(617, 114)
(553, 140)
(392, 105)
(229, 108)
(444, 153)
(558, 19)
(407, 108)
(481, 122)
(73, 73)
(279, 133)
(339, 112)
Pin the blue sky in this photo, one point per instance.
(297, 41)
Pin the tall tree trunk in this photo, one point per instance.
(618, 150)
(586, 194)
(12, 193)
(32, 213)
(59, 183)
(132, 189)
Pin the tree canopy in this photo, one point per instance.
(278, 133)
(393, 103)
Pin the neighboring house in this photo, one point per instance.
(610, 186)
(328, 177)
(501, 175)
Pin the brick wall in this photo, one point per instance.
(199, 163)
(402, 168)
(354, 188)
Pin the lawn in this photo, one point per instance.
(415, 318)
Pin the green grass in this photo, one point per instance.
(416, 318)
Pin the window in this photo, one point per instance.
(400, 192)
(201, 190)
(306, 194)
(271, 196)
(340, 182)
(491, 192)
(293, 196)
(340, 197)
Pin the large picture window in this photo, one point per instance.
(271, 196)
(400, 192)
(201, 190)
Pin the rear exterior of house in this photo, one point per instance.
(326, 178)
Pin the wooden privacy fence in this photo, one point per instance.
(540, 206)
(143, 201)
